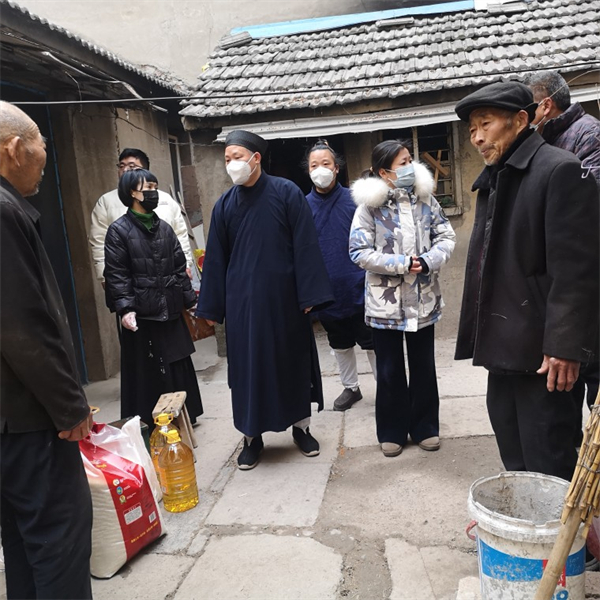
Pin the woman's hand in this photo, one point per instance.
(415, 265)
(128, 321)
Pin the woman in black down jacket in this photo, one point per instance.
(147, 286)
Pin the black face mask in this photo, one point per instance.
(150, 201)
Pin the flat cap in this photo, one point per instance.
(512, 96)
(246, 139)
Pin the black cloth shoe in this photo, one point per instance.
(250, 454)
(305, 441)
(346, 399)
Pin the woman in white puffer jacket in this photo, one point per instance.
(401, 237)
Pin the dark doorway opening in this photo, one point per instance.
(285, 158)
(52, 223)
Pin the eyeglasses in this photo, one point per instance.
(130, 166)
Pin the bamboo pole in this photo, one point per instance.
(581, 504)
(558, 556)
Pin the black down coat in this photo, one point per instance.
(531, 282)
(145, 270)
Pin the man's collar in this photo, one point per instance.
(522, 156)
(521, 153)
(21, 202)
(554, 127)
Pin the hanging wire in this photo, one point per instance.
(266, 94)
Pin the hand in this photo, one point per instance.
(211, 323)
(189, 273)
(307, 310)
(562, 373)
(78, 432)
(415, 266)
(128, 321)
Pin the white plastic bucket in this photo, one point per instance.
(518, 520)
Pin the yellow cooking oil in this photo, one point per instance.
(178, 476)
(158, 439)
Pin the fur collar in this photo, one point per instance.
(373, 191)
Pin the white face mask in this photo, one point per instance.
(322, 177)
(240, 171)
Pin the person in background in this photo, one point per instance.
(46, 515)
(344, 321)
(401, 237)
(568, 126)
(564, 124)
(263, 274)
(530, 304)
(109, 208)
(147, 286)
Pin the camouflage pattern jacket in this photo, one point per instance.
(389, 227)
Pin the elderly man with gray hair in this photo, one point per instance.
(46, 512)
(530, 304)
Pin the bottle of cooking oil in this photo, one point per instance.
(178, 476)
(158, 438)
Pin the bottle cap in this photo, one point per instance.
(172, 436)
(163, 419)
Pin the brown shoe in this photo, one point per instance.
(430, 444)
(390, 449)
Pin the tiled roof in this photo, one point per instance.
(152, 74)
(367, 62)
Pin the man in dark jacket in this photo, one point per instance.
(563, 124)
(530, 305)
(569, 127)
(46, 505)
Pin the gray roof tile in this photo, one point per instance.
(446, 51)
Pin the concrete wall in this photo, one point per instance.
(209, 169)
(452, 275)
(177, 35)
(88, 142)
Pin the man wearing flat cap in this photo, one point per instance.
(262, 274)
(530, 304)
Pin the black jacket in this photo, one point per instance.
(39, 385)
(145, 270)
(531, 282)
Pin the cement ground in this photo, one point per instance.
(348, 524)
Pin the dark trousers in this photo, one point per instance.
(46, 517)
(533, 427)
(401, 407)
(346, 333)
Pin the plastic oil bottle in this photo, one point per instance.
(178, 476)
(158, 438)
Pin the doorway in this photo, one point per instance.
(48, 202)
